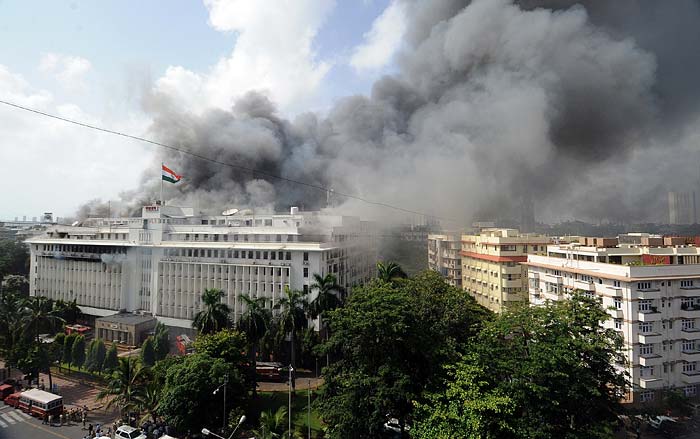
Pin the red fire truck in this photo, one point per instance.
(38, 402)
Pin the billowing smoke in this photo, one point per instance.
(589, 108)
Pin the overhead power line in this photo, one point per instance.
(219, 162)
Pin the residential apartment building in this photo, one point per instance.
(444, 256)
(653, 296)
(492, 270)
(161, 262)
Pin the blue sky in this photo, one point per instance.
(91, 61)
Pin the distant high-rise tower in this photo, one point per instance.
(527, 214)
(682, 208)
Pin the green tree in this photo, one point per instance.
(535, 372)
(187, 402)
(40, 316)
(78, 351)
(125, 385)
(12, 317)
(390, 342)
(272, 425)
(161, 341)
(227, 344)
(291, 319)
(68, 349)
(214, 316)
(111, 359)
(90, 364)
(148, 354)
(389, 272)
(16, 283)
(329, 296)
(99, 352)
(68, 311)
(148, 401)
(14, 259)
(254, 323)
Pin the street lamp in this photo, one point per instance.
(224, 385)
(206, 432)
(291, 371)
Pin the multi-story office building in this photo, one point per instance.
(491, 265)
(444, 256)
(682, 208)
(653, 294)
(161, 262)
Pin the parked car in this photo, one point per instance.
(13, 399)
(393, 425)
(6, 390)
(128, 432)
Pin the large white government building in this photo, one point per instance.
(651, 286)
(161, 262)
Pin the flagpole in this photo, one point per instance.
(162, 201)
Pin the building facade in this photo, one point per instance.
(161, 262)
(444, 256)
(653, 297)
(682, 208)
(492, 270)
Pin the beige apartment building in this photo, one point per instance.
(652, 292)
(444, 256)
(492, 270)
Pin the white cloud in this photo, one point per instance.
(69, 70)
(55, 166)
(273, 53)
(383, 39)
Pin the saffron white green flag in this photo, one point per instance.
(169, 175)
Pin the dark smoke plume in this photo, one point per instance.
(590, 108)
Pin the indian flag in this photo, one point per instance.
(169, 175)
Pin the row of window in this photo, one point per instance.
(231, 254)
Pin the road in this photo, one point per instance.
(14, 424)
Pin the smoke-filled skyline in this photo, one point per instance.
(589, 108)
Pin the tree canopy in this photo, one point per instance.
(214, 315)
(536, 372)
(390, 341)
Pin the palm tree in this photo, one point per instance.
(148, 401)
(214, 316)
(254, 322)
(329, 297)
(12, 313)
(292, 317)
(126, 385)
(40, 314)
(389, 272)
(272, 425)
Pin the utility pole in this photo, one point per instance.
(308, 405)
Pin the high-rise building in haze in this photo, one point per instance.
(682, 208)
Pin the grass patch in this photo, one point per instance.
(271, 401)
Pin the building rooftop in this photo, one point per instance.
(126, 318)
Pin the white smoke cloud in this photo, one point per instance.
(69, 71)
(383, 40)
(273, 53)
(58, 166)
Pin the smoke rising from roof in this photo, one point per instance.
(588, 107)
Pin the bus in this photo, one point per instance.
(38, 403)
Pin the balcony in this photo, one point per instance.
(690, 333)
(651, 360)
(651, 383)
(650, 294)
(650, 316)
(689, 311)
(615, 313)
(693, 355)
(650, 337)
(691, 377)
